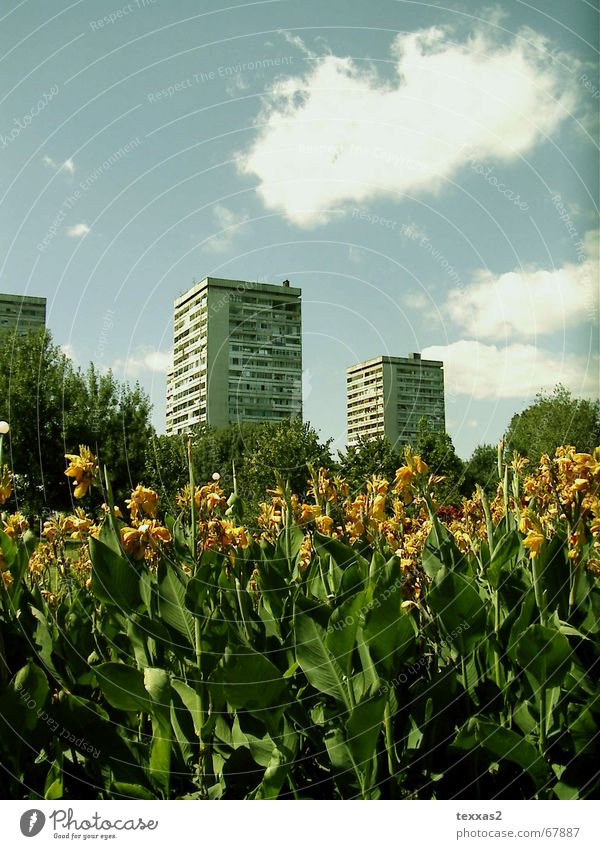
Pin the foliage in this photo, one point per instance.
(437, 449)
(481, 469)
(355, 646)
(368, 457)
(57, 407)
(260, 452)
(554, 419)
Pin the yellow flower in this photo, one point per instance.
(378, 509)
(144, 539)
(143, 501)
(324, 524)
(5, 484)
(534, 541)
(134, 542)
(404, 477)
(308, 513)
(83, 467)
(15, 525)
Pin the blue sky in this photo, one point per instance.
(427, 173)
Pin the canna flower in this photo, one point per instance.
(78, 526)
(145, 539)
(15, 525)
(84, 468)
(324, 524)
(6, 487)
(534, 541)
(308, 513)
(143, 501)
(306, 553)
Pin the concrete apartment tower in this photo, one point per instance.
(21, 313)
(237, 354)
(387, 396)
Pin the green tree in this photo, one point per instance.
(280, 449)
(52, 408)
(369, 457)
(166, 467)
(482, 469)
(437, 449)
(259, 451)
(554, 419)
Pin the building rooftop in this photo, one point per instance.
(412, 358)
(241, 285)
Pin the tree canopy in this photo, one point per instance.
(555, 418)
(260, 452)
(52, 408)
(369, 457)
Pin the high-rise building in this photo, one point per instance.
(237, 354)
(20, 313)
(387, 396)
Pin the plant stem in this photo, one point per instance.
(538, 588)
(389, 740)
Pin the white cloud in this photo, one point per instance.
(144, 360)
(78, 230)
(68, 165)
(416, 299)
(68, 350)
(228, 221)
(525, 303)
(515, 371)
(339, 133)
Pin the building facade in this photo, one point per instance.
(387, 396)
(237, 354)
(21, 313)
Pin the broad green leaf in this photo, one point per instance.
(318, 664)
(250, 680)
(123, 687)
(30, 687)
(504, 743)
(189, 698)
(131, 791)
(388, 632)
(171, 604)
(545, 654)
(114, 578)
(364, 726)
(460, 609)
(440, 551)
(341, 631)
(506, 549)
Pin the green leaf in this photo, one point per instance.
(342, 554)
(364, 726)
(30, 688)
(123, 687)
(504, 743)
(389, 633)
(460, 609)
(502, 556)
(250, 680)
(171, 604)
(190, 699)
(341, 631)
(440, 550)
(318, 664)
(131, 791)
(114, 579)
(544, 653)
